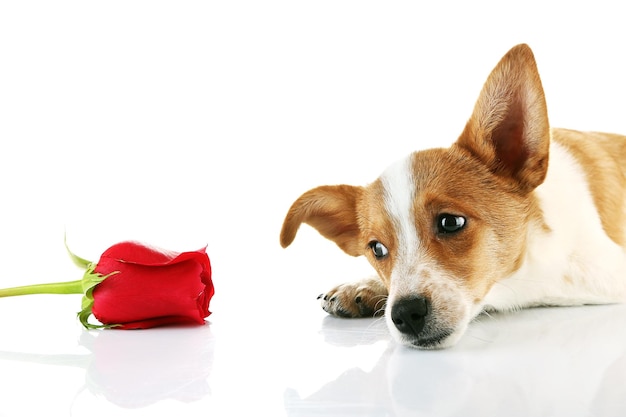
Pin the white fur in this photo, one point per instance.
(575, 262)
(399, 193)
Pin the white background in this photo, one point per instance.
(188, 123)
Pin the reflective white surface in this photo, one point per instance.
(184, 125)
(567, 361)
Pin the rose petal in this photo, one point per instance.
(135, 252)
(152, 287)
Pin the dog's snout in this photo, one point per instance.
(409, 314)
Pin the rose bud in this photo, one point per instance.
(134, 286)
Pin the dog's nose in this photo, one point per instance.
(409, 314)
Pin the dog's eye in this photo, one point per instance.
(379, 250)
(449, 223)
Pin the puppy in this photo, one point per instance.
(514, 214)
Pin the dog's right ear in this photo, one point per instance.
(509, 130)
(331, 209)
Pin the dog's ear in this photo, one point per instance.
(329, 209)
(509, 129)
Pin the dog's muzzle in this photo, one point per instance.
(412, 316)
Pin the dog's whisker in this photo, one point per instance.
(383, 300)
(481, 339)
(487, 314)
(376, 321)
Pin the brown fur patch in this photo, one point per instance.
(603, 158)
(489, 247)
(376, 225)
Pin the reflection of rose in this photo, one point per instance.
(136, 369)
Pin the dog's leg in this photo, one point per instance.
(366, 298)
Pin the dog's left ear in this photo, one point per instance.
(509, 129)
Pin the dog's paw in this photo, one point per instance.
(362, 299)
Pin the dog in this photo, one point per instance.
(514, 214)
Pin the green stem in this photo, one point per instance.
(71, 287)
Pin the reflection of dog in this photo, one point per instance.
(484, 224)
(490, 372)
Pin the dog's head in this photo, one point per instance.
(443, 225)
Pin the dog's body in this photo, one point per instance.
(487, 224)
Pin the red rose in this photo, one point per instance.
(134, 286)
(148, 287)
